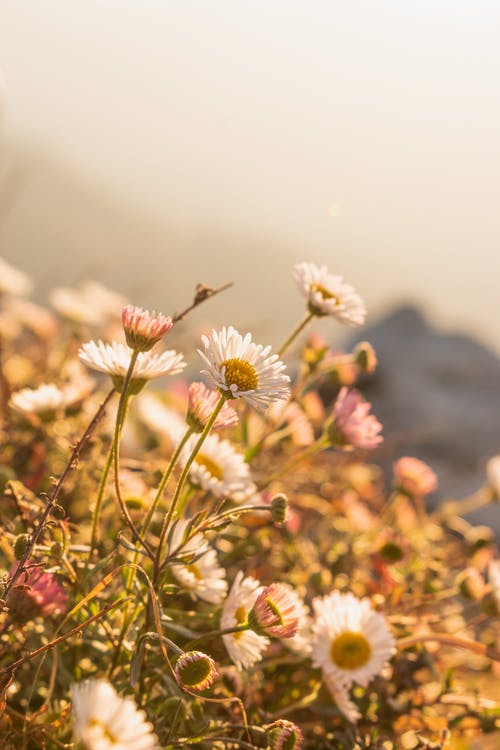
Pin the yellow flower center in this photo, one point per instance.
(194, 569)
(213, 469)
(241, 374)
(240, 616)
(350, 650)
(105, 731)
(325, 293)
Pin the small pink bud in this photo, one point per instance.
(275, 612)
(143, 329)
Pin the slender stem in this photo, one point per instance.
(183, 478)
(316, 447)
(294, 334)
(120, 418)
(98, 503)
(165, 478)
(214, 633)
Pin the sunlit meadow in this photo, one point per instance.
(199, 549)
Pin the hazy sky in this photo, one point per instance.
(360, 134)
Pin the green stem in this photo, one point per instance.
(165, 478)
(215, 633)
(294, 334)
(183, 477)
(98, 503)
(120, 418)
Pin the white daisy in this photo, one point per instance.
(13, 281)
(217, 468)
(242, 369)
(90, 303)
(114, 359)
(198, 571)
(246, 647)
(45, 399)
(104, 721)
(340, 694)
(327, 294)
(351, 642)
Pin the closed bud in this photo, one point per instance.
(365, 357)
(279, 508)
(284, 735)
(20, 545)
(195, 671)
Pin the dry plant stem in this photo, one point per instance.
(120, 418)
(52, 499)
(202, 293)
(480, 498)
(291, 338)
(449, 640)
(33, 654)
(182, 480)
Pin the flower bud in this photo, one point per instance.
(284, 735)
(365, 357)
(143, 329)
(279, 509)
(20, 545)
(195, 671)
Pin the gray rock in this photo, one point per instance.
(438, 396)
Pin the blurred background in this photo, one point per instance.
(153, 144)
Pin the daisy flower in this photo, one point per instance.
(351, 642)
(217, 468)
(327, 294)
(36, 593)
(143, 329)
(46, 399)
(242, 369)
(114, 359)
(275, 612)
(104, 721)
(197, 570)
(245, 648)
(202, 403)
(414, 477)
(13, 281)
(340, 694)
(352, 424)
(90, 303)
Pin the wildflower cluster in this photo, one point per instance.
(216, 563)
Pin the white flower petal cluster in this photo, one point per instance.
(327, 294)
(245, 648)
(340, 694)
(242, 369)
(218, 468)
(104, 721)
(114, 359)
(351, 642)
(13, 281)
(199, 572)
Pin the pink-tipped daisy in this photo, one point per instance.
(414, 477)
(143, 329)
(327, 294)
(353, 426)
(275, 613)
(242, 369)
(351, 642)
(284, 735)
(202, 403)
